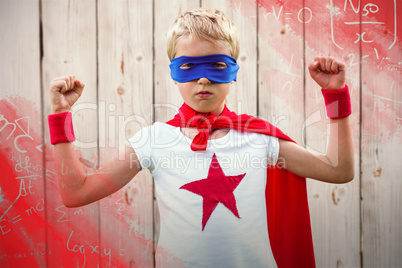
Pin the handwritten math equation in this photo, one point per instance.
(351, 23)
(24, 203)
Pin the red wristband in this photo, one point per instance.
(61, 127)
(337, 102)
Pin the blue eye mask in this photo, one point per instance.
(204, 66)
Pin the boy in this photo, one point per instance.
(216, 206)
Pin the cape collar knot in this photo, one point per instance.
(207, 122)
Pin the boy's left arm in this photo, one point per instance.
(337, 165)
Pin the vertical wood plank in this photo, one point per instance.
(280, 66)
(125, 106)
(280, 79)
(22, 193)
(381, 134)
(243, 93)
(69, 47)
(334, 208)
(20, 49)
(167, 96)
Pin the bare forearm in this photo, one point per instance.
(79, 189)
(340, 148)
(339, 158)
(71, 174)
(336, 166)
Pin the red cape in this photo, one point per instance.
(285, 194)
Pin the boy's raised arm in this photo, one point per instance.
(337, 165)
(76, 187)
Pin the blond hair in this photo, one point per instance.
(205, 24)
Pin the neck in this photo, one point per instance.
(217, 111)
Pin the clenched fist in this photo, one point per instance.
(64, 92)
(328, 72)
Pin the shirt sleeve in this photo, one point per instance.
(272, 150)
(141, 143)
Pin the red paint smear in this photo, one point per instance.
(34, 240)
(381, 62)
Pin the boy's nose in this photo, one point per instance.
(204, 80)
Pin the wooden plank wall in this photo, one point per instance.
(330, 202)
(118, 48)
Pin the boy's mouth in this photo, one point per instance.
(204, 94)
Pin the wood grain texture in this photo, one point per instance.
(20, 49)
(22, 187)
(125, 102)
(381, 138)
(69, 45)
(167, 96)
(334, 208)
(280, 74)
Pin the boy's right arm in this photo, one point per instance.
(76, 187)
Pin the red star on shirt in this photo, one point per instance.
(214, 189)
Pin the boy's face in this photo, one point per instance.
(201, 94)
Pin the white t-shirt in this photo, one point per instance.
(226, 240)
